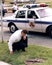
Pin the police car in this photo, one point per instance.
(37, 19)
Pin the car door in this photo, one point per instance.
(21, 19)
(32, 17)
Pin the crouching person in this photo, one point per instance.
(18, 41)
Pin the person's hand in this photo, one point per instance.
(24, 37)
(11, 52)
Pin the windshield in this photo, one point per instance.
(45, 12)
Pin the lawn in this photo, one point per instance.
(42, 1)
(32, 51)
(49, 3)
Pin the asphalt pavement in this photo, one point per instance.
(33, 38)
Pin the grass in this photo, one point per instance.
(49, 3)
(32, 51)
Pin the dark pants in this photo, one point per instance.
(14, 11)
(22, 44)
(3, 12)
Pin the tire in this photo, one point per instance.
(50, 32)
(13, 28)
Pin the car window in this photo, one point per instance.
(31, 14)
(21, 14)
(45, 12)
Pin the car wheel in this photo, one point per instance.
(50, 31)
(12, 28)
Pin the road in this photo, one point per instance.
(33, 38)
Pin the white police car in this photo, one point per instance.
(37, 19)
